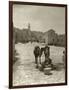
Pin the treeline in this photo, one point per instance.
(25, 35)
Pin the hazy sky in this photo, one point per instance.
(41, 18)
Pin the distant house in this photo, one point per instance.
(52, 38)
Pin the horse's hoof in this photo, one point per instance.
(35, 62)
(36, 66)
(40, 67)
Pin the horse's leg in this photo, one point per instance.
(41, 51)
(36, 60)
(40, 59)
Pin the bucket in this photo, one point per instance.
(47, 71)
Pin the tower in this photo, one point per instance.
(28, 26)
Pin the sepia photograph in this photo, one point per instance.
(38, 44)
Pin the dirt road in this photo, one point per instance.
(24, 71)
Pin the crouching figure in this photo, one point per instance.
(48, 61)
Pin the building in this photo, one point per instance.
(52, 38)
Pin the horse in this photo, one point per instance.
(37, 54)
(39, 51)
